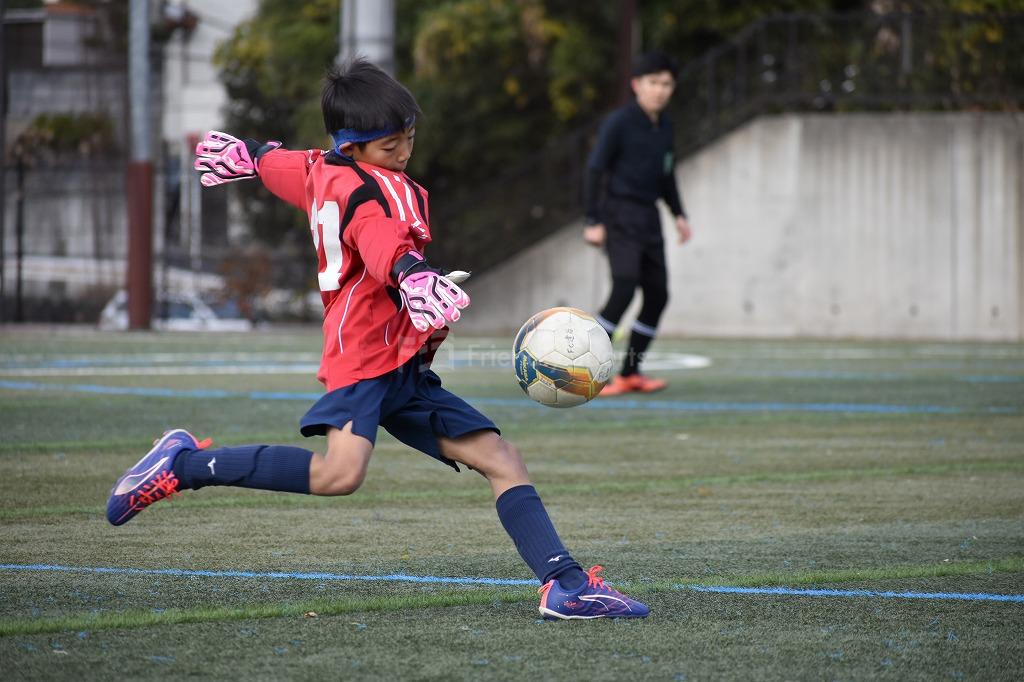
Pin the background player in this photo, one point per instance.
(634, 154)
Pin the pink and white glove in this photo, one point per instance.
(222, 158)
(430, 298)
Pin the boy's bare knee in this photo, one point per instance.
(507, 460)
(490, 455)
(340, 472)
(510, 452)
(342, 483)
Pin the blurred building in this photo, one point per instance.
(65, 132)
(63, 245)
(192, 105)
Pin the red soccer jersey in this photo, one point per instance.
(362, 218)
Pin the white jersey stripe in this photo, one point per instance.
(412, 209)
(418, 224)
(394, 195)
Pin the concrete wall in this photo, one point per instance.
(846, 225)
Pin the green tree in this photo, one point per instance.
(687, 28)
(498, 79)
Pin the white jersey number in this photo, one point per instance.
(325, 224)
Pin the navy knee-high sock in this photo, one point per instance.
(646, 326)
(526, 521)
(639, 339)
(266, 467)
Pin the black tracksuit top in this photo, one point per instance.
(638, 158)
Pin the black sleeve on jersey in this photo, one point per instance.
(419, 199)
(368, 191)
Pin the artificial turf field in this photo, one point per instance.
(870, 495)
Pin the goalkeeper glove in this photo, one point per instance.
(430, 298)
(222, 158)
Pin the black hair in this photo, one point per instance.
(654, 62)
(360, 96)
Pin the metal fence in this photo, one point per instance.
(63, 254)
(850, 62)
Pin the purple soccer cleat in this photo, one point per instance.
(152, 478)
(594, 600)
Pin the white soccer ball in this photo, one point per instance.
(563, 357)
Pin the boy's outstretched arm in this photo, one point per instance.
(223, 158)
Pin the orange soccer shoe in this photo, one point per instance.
(634, 383)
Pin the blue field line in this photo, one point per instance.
(273, 575)
(443, 580)
(145, 362)
(832, 375)
(156, 392)
(796, 592)
(993, 379)
(602, 404)
(458, 362)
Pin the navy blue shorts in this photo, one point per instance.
(634, 244)
(409, 403)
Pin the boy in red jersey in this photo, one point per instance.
(385, 312)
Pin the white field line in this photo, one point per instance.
(165, 364)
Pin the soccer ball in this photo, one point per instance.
(563, 357)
